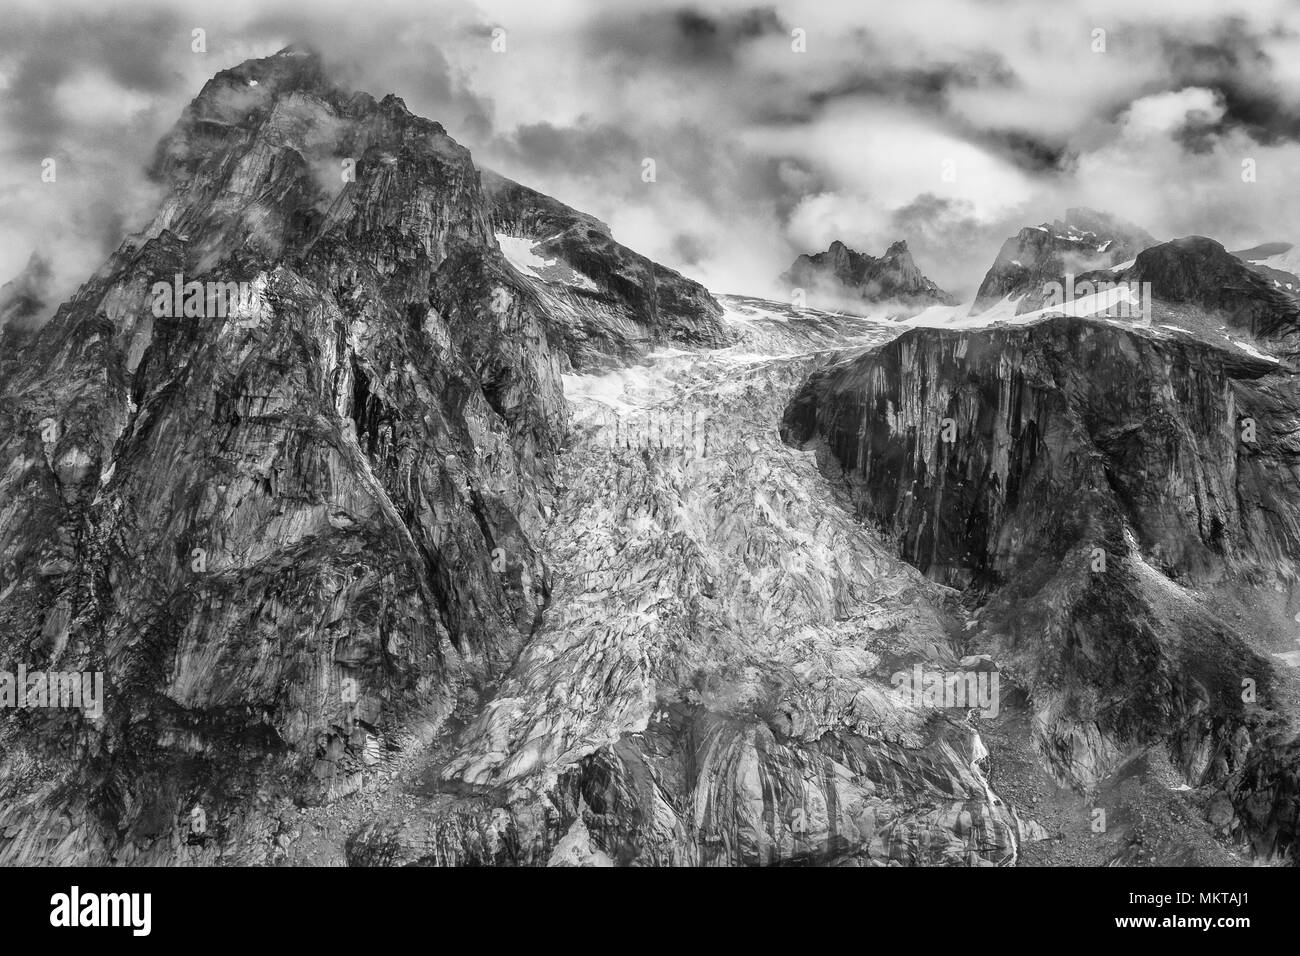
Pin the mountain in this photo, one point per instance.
(297, 531)
(1279, 262)
(613, 302)
(1193, 285)
(842, 278)
(432, 526)
(1085, 241)
(1197, 273)
(1119, 504)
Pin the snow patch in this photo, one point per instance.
(519, 253)
(959, 317)
(1254, 352)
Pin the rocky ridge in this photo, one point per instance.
(843, 279)
(1085, 241)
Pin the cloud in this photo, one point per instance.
(1163, 114)
(762, 152)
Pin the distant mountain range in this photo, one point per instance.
(841, 278)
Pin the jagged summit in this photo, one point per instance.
(843, 278)
(1085, 240)
(1080, 220)
(300, 524)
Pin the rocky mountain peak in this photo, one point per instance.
(298, 515)
(1084, 241)
(842, 278)
(1105, 225)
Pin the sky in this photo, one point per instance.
(774, 128)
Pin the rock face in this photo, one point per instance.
(1098, 489)
(1084, 241)
(1198, 273)
(840, 278)
(293, 531)
(608, 302)
(1025, 408)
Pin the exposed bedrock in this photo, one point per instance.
(1097, 489)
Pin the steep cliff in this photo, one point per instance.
(1112, 498)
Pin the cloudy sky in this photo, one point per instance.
(949, 123)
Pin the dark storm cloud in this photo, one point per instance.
(1026, 151)
(877, 73)
(92, 94)
(684, 37)
(594, 150)
(1233, 63)
(925, 85)
(47, 51)
(785, 181)
(927, 89)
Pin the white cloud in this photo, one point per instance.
(1168, 112)
(763, 152)
(91, 98)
